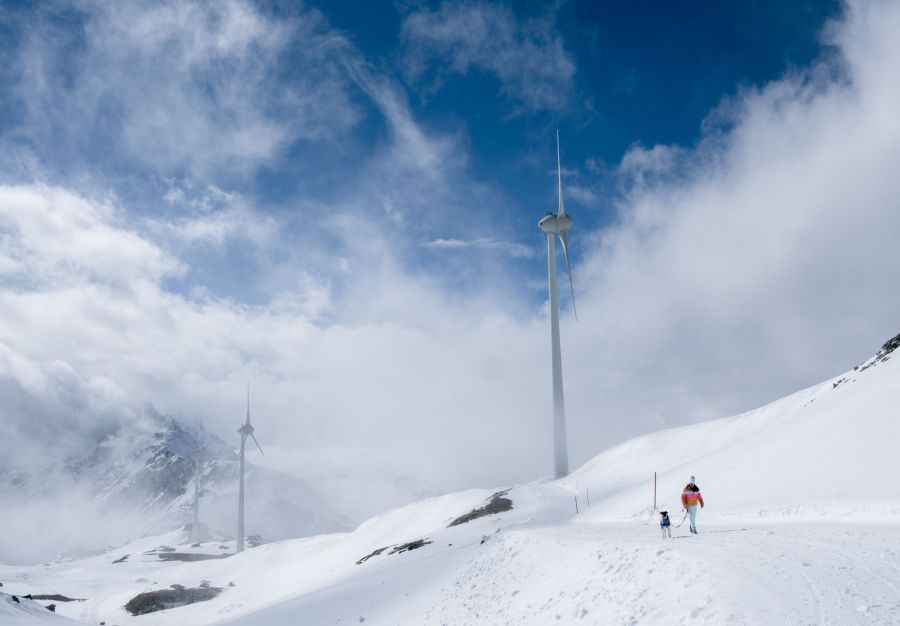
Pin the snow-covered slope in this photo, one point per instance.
(15, 611)
(830, 451)
(801, 527)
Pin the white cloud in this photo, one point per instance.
(581, 194)
(482, 243)
(52, 237)
(177, 86)
(526, 55)
(384, 366)
(640, 163)
(214, 216)
(411, 148)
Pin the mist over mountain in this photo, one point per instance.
(139, 479)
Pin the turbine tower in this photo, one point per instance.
(246, 430)
(558, 224)
(198, 468)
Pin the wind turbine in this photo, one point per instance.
(558, 224)
(198, 468)
(246, 430)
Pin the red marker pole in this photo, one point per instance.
(654, 492)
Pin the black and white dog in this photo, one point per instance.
(665, 524)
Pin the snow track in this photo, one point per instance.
(543, 566)
(537, 564)
(809, 574)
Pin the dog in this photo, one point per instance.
(665, 524)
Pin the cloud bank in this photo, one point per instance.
(526, 55)
(178, 87)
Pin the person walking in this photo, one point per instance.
(690, 498)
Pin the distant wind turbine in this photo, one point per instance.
(246, 430)
(558, 224)
(198, 468)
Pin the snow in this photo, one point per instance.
(801, 527)
(26, 611)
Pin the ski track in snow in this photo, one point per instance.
(615, 575)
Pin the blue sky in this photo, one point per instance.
(341, 203)
(609, 76)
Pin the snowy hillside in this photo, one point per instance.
(828, 452)
(800, 527)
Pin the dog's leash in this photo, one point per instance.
(682, 520)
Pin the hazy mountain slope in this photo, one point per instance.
(138, 480)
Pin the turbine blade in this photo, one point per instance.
(257, 444)
(564, 239)
(562, 207)
(248, 402)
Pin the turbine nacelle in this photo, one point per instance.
(555, 224)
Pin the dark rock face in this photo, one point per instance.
(371, 554)
(189, 556)
(884, 354)
(889, 346)
(157, 464)
(498, 503)
(396, 549)
(411, 545)
(152, 601)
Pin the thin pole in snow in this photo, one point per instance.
(587, 492)
(576, 505)
(654, 492)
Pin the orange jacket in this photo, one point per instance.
(691, 498)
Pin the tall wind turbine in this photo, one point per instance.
(558, 224)
(246, 430)
(198, 468)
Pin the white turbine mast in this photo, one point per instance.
(558, 224)
(246, 430)
(198, 469)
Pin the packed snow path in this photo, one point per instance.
(624, 573)
(536, 564)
